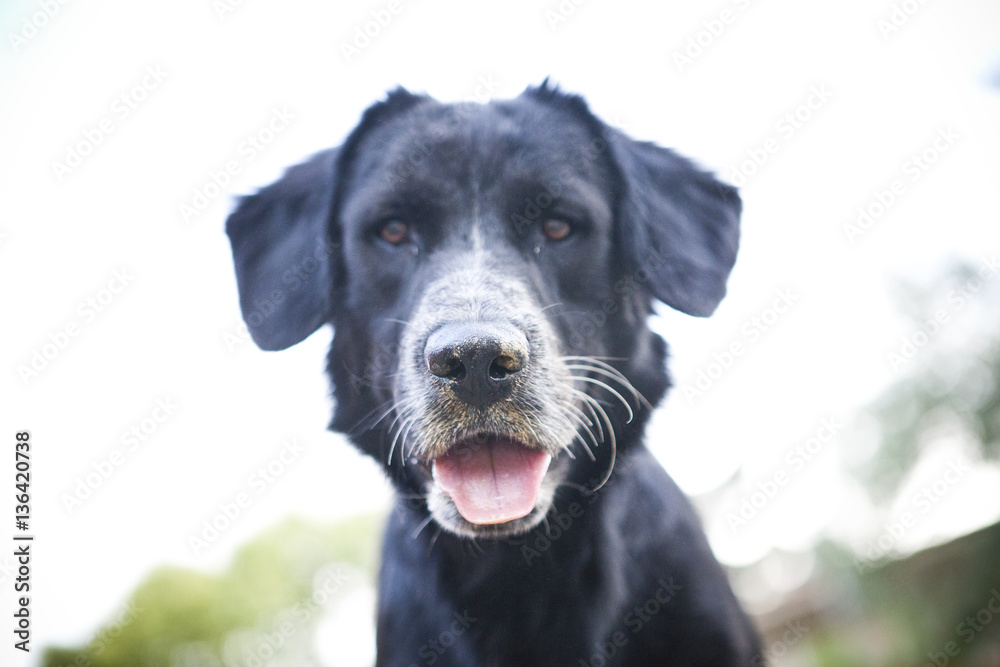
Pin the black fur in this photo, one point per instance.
(606, 570)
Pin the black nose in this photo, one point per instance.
(478, 359)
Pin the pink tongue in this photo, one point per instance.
(492, 481)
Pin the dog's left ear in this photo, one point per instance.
(284, 255)
(677, 224)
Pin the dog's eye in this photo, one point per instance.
(556, 229)
(394, 232)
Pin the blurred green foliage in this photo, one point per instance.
(949, 364)
(905, 610)
(936, 606)
(179, 616)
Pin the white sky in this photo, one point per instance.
(162, 337)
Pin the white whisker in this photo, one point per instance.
(392, 447)
(582, 441)
(614, 372)
(404, 418)
(583, 416)
(423, 524)
(406, 434)
(614, 447)
(588, 400)
(437, 534)
(609, 388)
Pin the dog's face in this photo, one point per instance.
(468, 223)
(488, 270)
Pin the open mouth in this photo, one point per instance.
(491, 479)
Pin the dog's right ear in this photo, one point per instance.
(681, 219)
(285, 255)
(286, 246)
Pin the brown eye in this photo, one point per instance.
(555, 229)
(394, 232)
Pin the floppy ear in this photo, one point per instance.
(676, 222)
(284, 254)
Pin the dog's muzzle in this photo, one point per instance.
(491, 478)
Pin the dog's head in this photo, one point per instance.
(488, 271)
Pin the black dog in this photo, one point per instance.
(488, 271)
